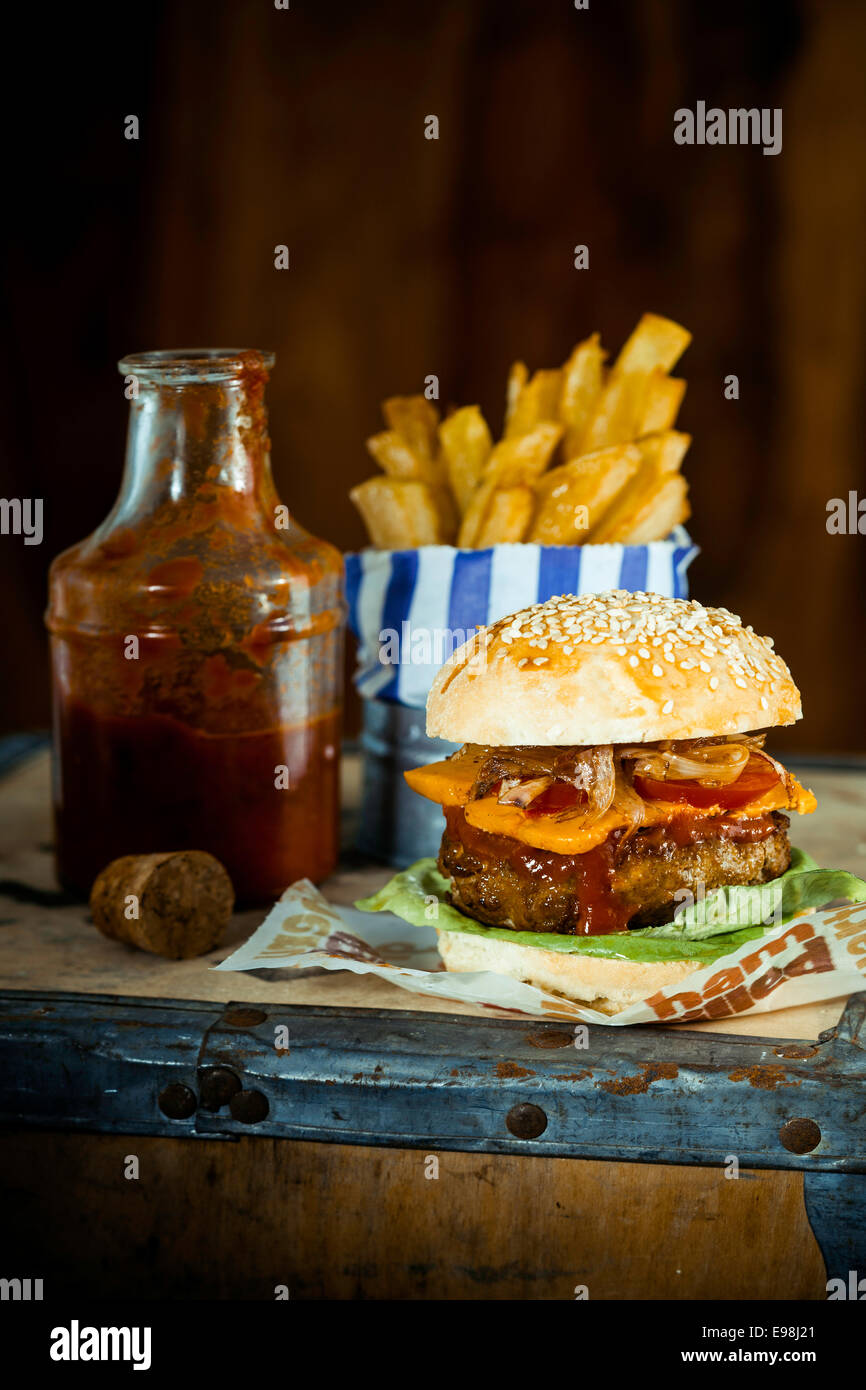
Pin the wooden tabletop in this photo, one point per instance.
(48, 943)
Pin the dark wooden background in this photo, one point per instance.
(409, 256)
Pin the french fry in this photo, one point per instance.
(518, 376)
(466, 445)
(664, 451)
(655, 342)
(661, 456)
(507, 517)
(513, 462)
(473, 517)
(663, 400)
(398, 513)
(581, 388)
(536, 402)
(662, 509)
(523, 458)
(446, 510)
(398, 460)
(575, 495)
(619, 410)
(619, 478)
(415, 419)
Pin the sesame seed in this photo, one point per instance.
(642, 626)
(667, 706)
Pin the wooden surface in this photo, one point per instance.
(211, 1219)
(47, 944)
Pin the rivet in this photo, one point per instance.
(217, 1085)
(526, 1121)
(800, 1136)
(249, 1107)
(550, 1038)
(244, 1018)
(177, 1102)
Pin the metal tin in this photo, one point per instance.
(397, 825)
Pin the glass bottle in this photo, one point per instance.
(196, 641)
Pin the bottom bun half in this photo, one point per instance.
(602, 984)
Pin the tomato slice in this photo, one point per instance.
(756, 779)
(561, 796)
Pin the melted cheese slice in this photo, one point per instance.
(450, 783)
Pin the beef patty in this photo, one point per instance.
(624, 882)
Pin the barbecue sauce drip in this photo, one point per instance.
(599, 910)
(690, 829)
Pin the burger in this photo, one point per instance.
(613, 821)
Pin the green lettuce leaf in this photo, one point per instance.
(766, 904)
(702, 931)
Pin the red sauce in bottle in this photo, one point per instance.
(197, 648)
(143, 784)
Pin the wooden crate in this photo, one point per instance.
(399, 1152)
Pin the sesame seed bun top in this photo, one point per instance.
(614, 667)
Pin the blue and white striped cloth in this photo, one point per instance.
(410, 608)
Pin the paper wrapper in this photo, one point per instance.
(440, 595)
(815, 957)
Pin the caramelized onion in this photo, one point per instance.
(631, 805)
(788, 781)
(522, 763)
(606, 772)
(592, 770)
(712, 762)
(718, 767)
(513, 792)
